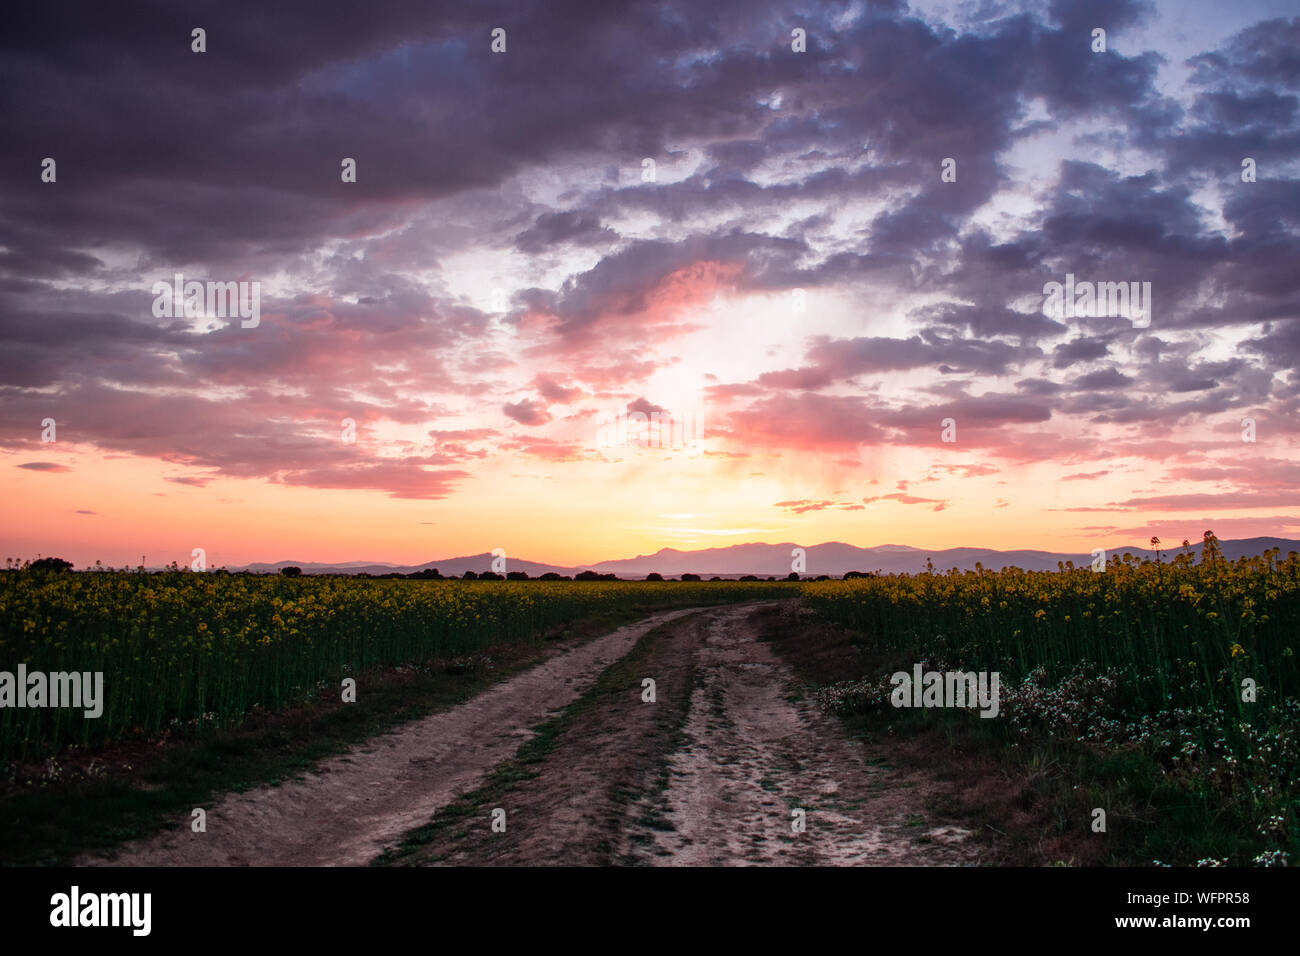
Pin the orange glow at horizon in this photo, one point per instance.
(568, 514)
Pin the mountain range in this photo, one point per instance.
(774, 560)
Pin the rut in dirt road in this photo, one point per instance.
(345, 811)
(753, 756)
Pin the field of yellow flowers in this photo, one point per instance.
(1195, 630)
(183, 647)
(1178, 679)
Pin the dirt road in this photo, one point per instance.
(721, 768)
(354, 804)
(755, 764)
(711, 773)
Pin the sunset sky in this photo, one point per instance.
(505, 276)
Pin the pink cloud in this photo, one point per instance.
(939, 503)
(527, 412)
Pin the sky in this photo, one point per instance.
(645, 275)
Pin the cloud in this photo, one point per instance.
(1196, 502)
(775, 171)
(804, 506)
(527, 412)
(552, 391)
(397, 479)
(1171, 530)
(939, 503)
(552, 228)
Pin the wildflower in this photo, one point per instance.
(1271, 858)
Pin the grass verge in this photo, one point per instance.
(1021, 814)
(1030, 790)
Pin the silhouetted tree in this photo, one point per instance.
(690, 577)
(291, 571)
(654, 576)
(50, 564)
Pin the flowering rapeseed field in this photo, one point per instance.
(179, 646)
(1181, 673)
(1196, 630)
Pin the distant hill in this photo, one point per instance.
(449, 567)
(773, 560)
